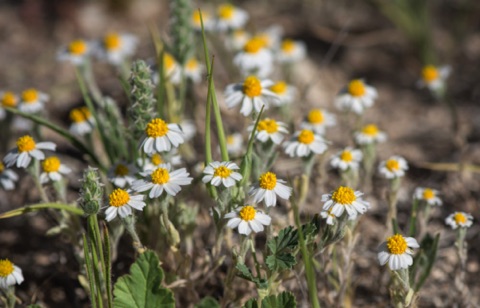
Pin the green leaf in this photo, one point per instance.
(425, 259)
(282, 300)
(208, 302)
(142, 287)
(34, 306)
(280, 247)
(246, 274)
(251, 303)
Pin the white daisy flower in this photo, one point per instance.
(291, 51)
(284, 91)
(193, 70)
(357, 97)
(434, 77)
(162, 179)
(10, 274)
(188, 128)
(82, 121)
(459, 220)
(173, 70)
(32, 101)
(430, 196)
(26, 149)
(269, 129)
(305, 142)
(345, 198)
(221, 173)
(235, 144)
(77, 52)
(52, 170)
(397, 252)
(121, 203)
(248, 219)
(271, 36)
(394, 167)
(267, 189)
(318, 120)
(329, 216)
(161, 136)
(237, 39)
(116, 47)
(252, 93)
(254, 58)
(7, 178)
(154, 160)
(230, 17)
(370, 134)
(122, 174)
(347, 158)
(208, 22)
(7, 99)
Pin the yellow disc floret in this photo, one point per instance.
(222, 172)
(9, 99)
(429, 73)
(168, 61)
(156, 159)
(25, 144)
(192, 64)
(397, 244)
(156, 128)
(268, 125)
(247, 213)
(346, 156)
(315, 116)
(254, 45)
(51, 164)
(370, 130)
(121, 170)
(77, 116)
(428, 194)
(77, 47)
(225, 11)
(344, 195)
(288, 46)
(460, 218)
(2, 167)
(119, 197)
(252, 86)
(30, 96)
(112, 41)
(356, 88)
(306, 136)
(268, 180)
(279, 88)
(160, 176)
(6, 268)
(392, 165)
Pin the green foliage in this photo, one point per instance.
(282, 300)
(91, 193)
(208, 302)
(246, 273)
(181, 30)
(424, 260)
(142, 287)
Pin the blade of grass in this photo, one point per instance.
(42, 206)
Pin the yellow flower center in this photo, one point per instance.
(356, 88)
(9, 99)
(392, 165)
(77, 116)
(196, 18)
(86, 112)
(429, 73)
(156, 159)
(370, 130)
(2, 167)
(397, 244)
(51, 164)
(344, 195)
(156, 128)
(315, 116)
(460, 218)
(346, 156)
(288, 46)
(254, 45)
(25, 144)
(252, 86)
(119, 197)
(226, 11)
(268, 125)
(428, 194)
(121, 170)
(77, 47)
(192, 64)
(306, 136)
(112, 41)
(230, 139)
(279, 88)
(30, 96)
(168, 61)
(6, 268)
(160, 176)
(222, 172)
(268, 180)
(247, 213)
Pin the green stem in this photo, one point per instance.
(42, 206)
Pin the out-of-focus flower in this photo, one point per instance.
(269, 129)
(356, 97)
(208, 22)
(235, 144)
(237, 39)
(193, 70)
(291, 51)
(53, 169)
(434, 77)
(271, 36)
(397, 252)
(116, 47)
(32, 101)
(305, 142)
(430, 196)
(82, 121)
(459, 220)
(370, 134)
(7, 177)
(284, 91)
(122, 174)
(254, 58)
(230, 17)
(188, 128)
(154, 160)
(77, 52)
(121, 203)
(7, 99)
(221, 173)
(394, 167)
(26, 149)
(318, 120)
(247, 219)
(347, 158)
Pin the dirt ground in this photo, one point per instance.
(345, 39)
